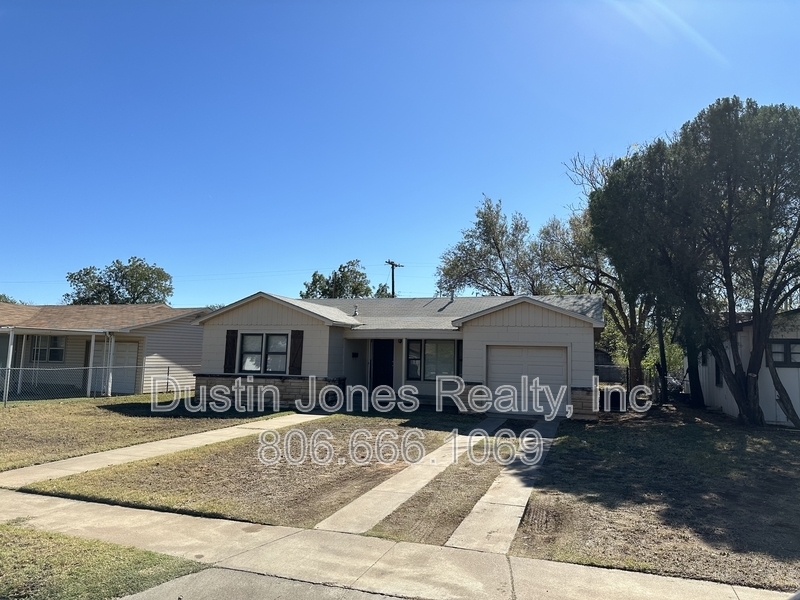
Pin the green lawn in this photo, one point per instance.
(36, 565)
(42, 431)
(675, 492)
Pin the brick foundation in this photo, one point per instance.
(582, 409)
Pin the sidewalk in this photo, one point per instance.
(342, 562)
(492, 523)
(366, 511)
(17, 478)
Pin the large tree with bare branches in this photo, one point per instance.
(495, 256)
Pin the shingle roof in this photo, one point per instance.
(328, 313)
(113, 317)
(439, 313)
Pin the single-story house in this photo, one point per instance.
(785, 343)
(66, 350)
(373, 342)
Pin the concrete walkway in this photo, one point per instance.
(366, 511)
(337, 563)
(493, 521)
(17, 478)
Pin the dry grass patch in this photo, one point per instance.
(42, 431)
(674, 492)
(432, 514)
(227, 479)
(37, 565)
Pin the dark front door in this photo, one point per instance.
(382, 362)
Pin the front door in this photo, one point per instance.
(382, 363)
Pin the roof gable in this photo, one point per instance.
(587, 308)
(326, 314)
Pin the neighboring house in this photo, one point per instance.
(398, 341)
(67, 350)
(785, 342)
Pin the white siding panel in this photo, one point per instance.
(177, 346)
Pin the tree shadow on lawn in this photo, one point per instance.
(425, 417)
(734, 486)
(143, 409)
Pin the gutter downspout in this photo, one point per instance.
(110, 364)
(7, 378)
(21, 362)
(91, 366)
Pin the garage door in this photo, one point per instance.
(124, 381)
(507, 364)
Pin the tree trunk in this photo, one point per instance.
(635, 356)
(695, 388)
(662, 357)
(783, 399)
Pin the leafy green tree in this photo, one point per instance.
(134, 282)
(7, 299)
(348, 281)
(721, 205)
(383, 291)
(494, 257)
(580, 266)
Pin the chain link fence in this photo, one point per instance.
(39, 383)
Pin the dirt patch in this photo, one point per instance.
(432, 514)
(674, 492)
(228, 480)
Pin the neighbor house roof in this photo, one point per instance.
(112, 317)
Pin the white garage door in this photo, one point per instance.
(125, 371)
(507, 364)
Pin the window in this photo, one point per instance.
(263, 353)
(414, 360)
(785, 353)
(47, 348)
(440, 358)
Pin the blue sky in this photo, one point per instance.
(243, 145)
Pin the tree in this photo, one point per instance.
(348, 281)
(134, 282)
(579, 266)
(494, 257)
(383, 291)
(725, 228)
(7, 299)
(637, 218)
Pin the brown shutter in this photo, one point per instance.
(296, 359)
(231, 337)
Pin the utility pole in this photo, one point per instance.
(394, 265)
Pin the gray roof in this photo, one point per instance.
(440, 313)
(328, 313)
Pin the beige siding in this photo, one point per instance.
(355, 368)
(335, 352)
(177, 345)
(266, 316)
(528, 325)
